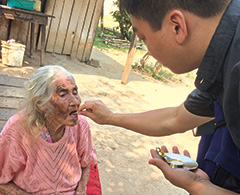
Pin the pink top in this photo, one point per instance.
(40, 167)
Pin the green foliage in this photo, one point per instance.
(164, 74)
(99, 42)
(124, 22)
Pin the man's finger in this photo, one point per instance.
(153, 153)
(175, 150)
(86, 113)
(162, 165)
(164, 149)
(186, 153)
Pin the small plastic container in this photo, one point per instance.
(22, 4)
(12, 53)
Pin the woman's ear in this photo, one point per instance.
(178, 26)
(41, 107)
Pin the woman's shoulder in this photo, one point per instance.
(83, 121)
(14, 123)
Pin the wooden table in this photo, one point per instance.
(33, 17)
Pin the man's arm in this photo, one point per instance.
(82, 184)
(159, 122)
(11, 189)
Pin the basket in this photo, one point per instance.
(12, 53)
(22, 4)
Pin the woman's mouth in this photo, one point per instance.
(74, 114)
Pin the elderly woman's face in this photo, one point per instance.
(64, 102)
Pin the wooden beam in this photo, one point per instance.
(129, 61)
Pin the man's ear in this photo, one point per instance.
(178, 26)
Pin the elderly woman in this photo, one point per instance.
(46, 148)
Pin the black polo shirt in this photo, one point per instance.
(218, 75)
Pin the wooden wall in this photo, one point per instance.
(73, 29)
(71, 32)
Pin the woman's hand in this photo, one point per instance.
(188, 180)
(82, 184)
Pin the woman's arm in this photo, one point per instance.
(11, 189)
(82, 184)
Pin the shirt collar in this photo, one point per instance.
(219, 45)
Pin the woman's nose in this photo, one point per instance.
(75, 100)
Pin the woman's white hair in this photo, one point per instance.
(39, 89)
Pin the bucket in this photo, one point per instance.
(12, 53)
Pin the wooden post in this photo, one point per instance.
(32, 48)
(102, 21)
(129, 61)
(43, 44)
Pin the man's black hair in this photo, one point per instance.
(154, 11)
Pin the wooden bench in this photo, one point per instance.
(11, 92)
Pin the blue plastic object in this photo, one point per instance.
(22, 4)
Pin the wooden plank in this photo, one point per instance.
(6, 80)
(14, 29)
(62, 30)
(23, 32)
(92, 31)
(27, 50)
(6, 113)
(129, 60)
(2, 123)
(43, 30)
(9, 102)
(23, 15)
(35, 41)
(4, 23)
(54, 25)
(81, 21)
(16, 13)
(71, 31)
(48, 10)
(11, 91)
(86, 27)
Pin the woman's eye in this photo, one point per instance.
(62, 94)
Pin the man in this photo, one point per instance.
(183, 36)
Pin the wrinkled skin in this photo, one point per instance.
(62, 109)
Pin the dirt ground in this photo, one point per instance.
(122, 155)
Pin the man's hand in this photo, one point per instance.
(179, 177)
(97, 111)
